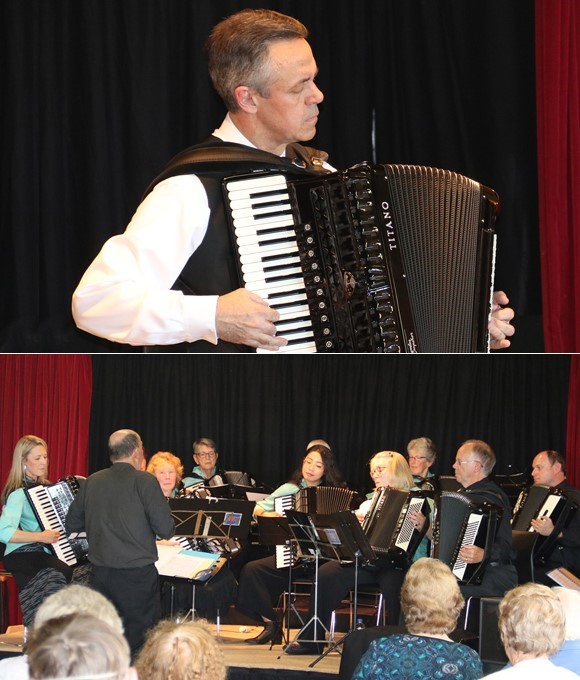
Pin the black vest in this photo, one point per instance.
(212, 269)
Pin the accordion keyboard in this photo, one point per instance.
(471, 531)
(269, 259)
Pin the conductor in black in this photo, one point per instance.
(123, 510)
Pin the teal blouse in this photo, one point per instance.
(17, 513)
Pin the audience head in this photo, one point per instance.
(421, 454)
(77, 599)
(430, 598)
(239, 51)
(126, 446)
(181, 651)
(79, 646)
(205, 455)
(389, 468)
(570, 601)
(168, 470)
(473, 462)
(531, 622)
(549, 468)
(30, 459)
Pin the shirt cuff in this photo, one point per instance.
(199, 317)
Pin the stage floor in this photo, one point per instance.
(241, 655)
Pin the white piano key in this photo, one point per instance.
(255, 211)
(286, 325)
(285, 299)
(305, 348)
(266, 279)
(244, 202)
(282, 220)
(271, 292)
(253, 240)
(271, 265)
(270, 250)
(257, 183)
(294, 311)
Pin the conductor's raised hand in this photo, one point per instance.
(242, 317)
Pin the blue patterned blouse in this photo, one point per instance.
(410, 657)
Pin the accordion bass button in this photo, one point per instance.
(392, 349)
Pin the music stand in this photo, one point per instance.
(275, 531)
(348, 541)
(330, 537)
(211, 518)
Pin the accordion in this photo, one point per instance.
(374, 258)
(464, 520)
(387, 525)
(539, 501)
(50, 505)
(321, 500)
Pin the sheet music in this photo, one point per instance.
(564, 578)
(175, 561)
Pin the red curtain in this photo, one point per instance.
(558, 121)
(49, 396)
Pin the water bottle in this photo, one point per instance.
(360, 624)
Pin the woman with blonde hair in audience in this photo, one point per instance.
(181, 651)
(532, 626)
(431, 602)
(79, 646)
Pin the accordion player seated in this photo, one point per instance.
(551, 512)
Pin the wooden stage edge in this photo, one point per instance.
(238, 654)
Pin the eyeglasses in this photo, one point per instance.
(471, 460)
(417, 457)
(206, 454)
(378, 471)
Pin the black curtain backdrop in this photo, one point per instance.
(262, 412)
(98, 95)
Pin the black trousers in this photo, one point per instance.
(135, 594)
(261, 584)
(496, 581)
(24, 565)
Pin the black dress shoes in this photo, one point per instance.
(296, 648)
(271, 633)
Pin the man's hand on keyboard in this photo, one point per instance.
(242, 317)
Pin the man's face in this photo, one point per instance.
(206, 458)
(542, 471)
(290, 112)
(467, 466)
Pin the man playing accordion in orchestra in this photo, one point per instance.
(473, 464)
(549, 469)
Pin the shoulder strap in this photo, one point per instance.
(222, 158)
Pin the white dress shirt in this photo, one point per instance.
(125, 295)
